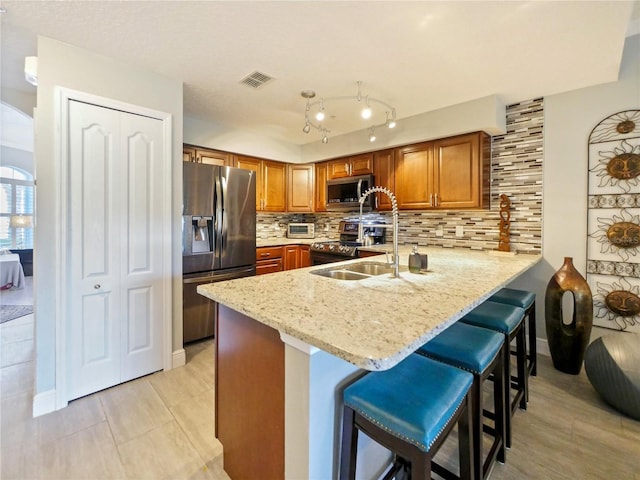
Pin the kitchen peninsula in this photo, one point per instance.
(287, 344)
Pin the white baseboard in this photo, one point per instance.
(44, 402)
(179, 358)
(543, 347)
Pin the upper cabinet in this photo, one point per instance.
(300, 188)
(271, 180)
(414, 176)
(320, 197)
(384, 176)
(462, 171)
(449, 173)
(350, 166)
(206, 155)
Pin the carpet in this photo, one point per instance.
(10, 312)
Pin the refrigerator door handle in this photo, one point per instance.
(219, 219)
(223, 229)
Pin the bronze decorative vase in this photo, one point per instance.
(568, 342)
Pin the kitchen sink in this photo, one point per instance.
(356, 271)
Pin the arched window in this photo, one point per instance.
(16, 208)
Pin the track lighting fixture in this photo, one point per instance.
(315, 110)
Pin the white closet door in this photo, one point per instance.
(141, 246)
(115, 252)
(93, 253)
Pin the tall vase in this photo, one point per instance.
(568, 342)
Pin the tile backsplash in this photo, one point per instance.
(516, 171)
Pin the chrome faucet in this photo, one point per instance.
(394, 211)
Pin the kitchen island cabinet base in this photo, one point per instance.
(249, 396)
(277, 405)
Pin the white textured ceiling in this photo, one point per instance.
(418, 56)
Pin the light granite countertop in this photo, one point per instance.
(376, 322)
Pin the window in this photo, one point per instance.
(16, 198)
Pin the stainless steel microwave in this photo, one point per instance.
(343, 193)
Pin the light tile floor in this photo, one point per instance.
(161, 426)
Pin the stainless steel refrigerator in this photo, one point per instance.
(218, 237)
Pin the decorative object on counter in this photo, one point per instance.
(414, 260)
(418, 262)
(612, 364)
(316, 109)
(505, 224)
(567, 342)
(613, 223)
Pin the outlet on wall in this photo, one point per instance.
(439, 231)
(459, 231)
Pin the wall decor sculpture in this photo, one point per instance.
(613, 224)
(505, 224)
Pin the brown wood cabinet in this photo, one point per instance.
(271, 181)
(461, 171)
(300, 188)
(249, 389)
(277, 259)
(191, 153)
(269, 260)
(447, 173)
(296, 256)
(320, 197)
(384, 176)
(414, 176)
(350, 166)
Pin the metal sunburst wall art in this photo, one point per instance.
(613, 243)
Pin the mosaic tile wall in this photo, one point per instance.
(516, 171)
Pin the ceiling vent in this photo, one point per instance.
(256, 80)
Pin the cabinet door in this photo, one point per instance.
(300, 188)
(305, 256)
(212, 157)
(291, 257)
(250, 163)
(457, 172)
(338, 168)
(361, 164)
(413, 176)
(188, 154)
(384, 176)
(321, 187)
(274, 186)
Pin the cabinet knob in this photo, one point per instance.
(97, 286)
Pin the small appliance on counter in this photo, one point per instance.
(301, 230)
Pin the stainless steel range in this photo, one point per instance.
(347, 247)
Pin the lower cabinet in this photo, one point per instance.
(276, 259)
(269, 260)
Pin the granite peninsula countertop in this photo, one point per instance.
(376, 322)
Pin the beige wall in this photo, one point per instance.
(569, 119)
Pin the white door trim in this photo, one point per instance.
(62, 98)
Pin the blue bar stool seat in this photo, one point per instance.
(409, 409)
(509, 321)
(526, 300)
(479, 351)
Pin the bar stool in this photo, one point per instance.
(409, 409)
(509, 321)
(526, 300)
(479, 351)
